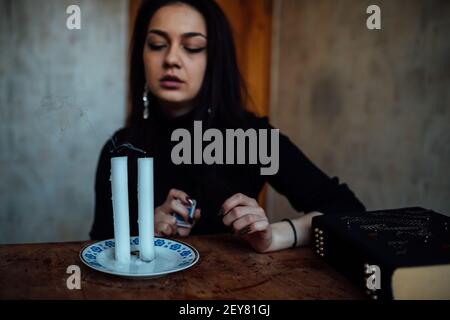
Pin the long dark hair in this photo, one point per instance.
(223, 90)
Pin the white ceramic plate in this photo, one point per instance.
(170, 256)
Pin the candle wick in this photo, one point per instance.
(127, 145)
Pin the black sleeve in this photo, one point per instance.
(306, 186)
(103, 227)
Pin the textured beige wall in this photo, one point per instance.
(371, 107)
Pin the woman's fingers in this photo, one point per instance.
(164, 223)
(184, 232)
(248, 220)
(176, 206)
(238, 199)
(239, 212)
(249, 223)
(166, 229)
(244, 214)
(177, 194)
(177, 202)
(257, 226)
(169, 219)
(197, 215)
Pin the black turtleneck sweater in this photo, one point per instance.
(306, 187)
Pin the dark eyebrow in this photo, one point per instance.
(184, 35)
(193, 34)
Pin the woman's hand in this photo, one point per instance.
(165, 223)
(248, 220)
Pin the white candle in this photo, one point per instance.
(146, 209)
(119, 185)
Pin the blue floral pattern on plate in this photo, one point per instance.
(177, 256)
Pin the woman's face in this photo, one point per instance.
(175, 56)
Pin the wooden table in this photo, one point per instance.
(228, 269)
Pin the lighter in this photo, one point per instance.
(180, 220)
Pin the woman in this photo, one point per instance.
(184, 68)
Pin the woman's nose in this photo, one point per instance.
(172, 58)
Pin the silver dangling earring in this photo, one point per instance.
(146, 112)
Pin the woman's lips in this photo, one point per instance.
(171, 84)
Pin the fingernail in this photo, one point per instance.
(221, 212)
(189, 200)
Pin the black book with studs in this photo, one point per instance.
(392, 254)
